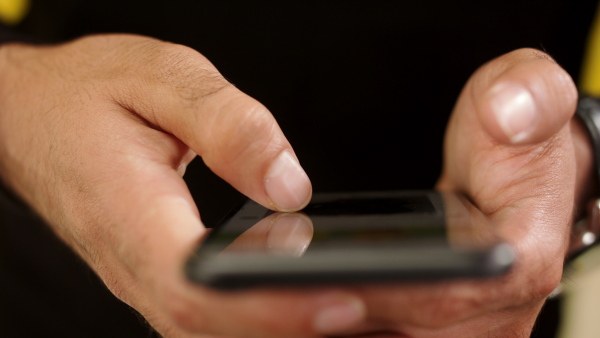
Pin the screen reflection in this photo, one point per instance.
(344, 220)
(283, 234)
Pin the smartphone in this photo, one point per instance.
(350, 238)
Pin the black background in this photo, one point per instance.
(362, 89)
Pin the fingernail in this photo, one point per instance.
(342, 315)
(290, 235)
(287, 185)
(515, 110)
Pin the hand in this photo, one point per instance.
(96, 134)
(511, 147)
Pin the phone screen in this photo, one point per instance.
(367, 236)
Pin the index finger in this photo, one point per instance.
(180, 91)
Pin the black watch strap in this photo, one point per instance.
(586, 232)
(588, 110)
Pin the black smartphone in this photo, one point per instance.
(362, 237)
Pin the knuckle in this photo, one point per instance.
(187, 72)
(109, 56)
(533, 53)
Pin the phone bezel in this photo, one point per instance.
(346, 263)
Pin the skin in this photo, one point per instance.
(529, 189)
(95, 136)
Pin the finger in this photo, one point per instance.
(525, 189)
(517, 322)
(523, 97)
(151, 229)
(476, 159)
(160, 240)
(236, 136)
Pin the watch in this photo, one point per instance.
(584, 254)
(586, 232)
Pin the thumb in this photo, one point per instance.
(523, 97)
(236, 136)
